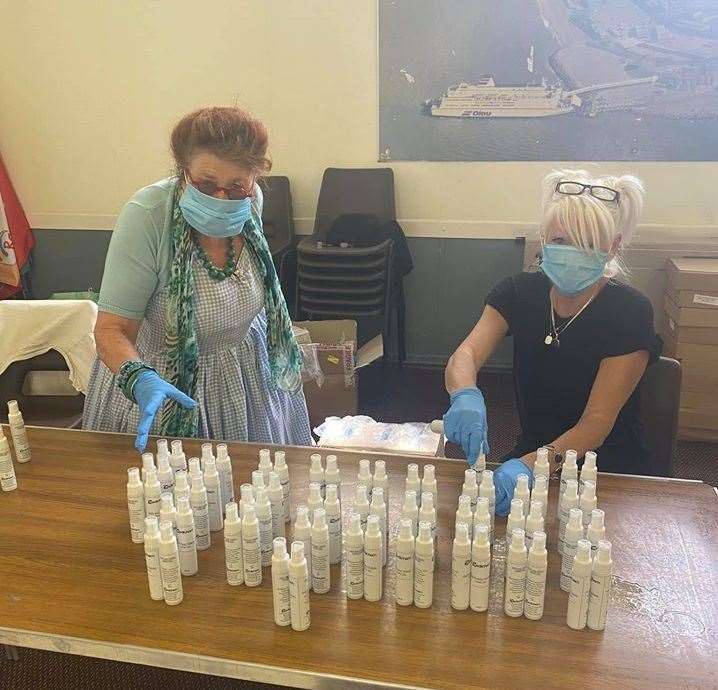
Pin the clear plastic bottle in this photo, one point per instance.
(515, 575)
(207, 454)
(246, 498)
(163, 451)
(461, 568)
(280, 582)
(168, 512)
(251, 552)
(333, 510)
(234, 561)
(195, 469)
(258, 480)
(372, 559)
(152, 558)
(536, 577)
(165, 475)
(148, 463)
(135, 504)
(332, 476)
(600, 586)
(579, 591)
(404, 588)
(480, 568)
(300, 616)
(186, 540)
(354, 540)
(424, 566)
(170, 566)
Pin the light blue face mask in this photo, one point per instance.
(571, 269)
(214, 217)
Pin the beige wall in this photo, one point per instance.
(89, 90)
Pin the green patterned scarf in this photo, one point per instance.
(285, 360)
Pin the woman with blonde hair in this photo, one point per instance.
(582, 338)
(193, 335)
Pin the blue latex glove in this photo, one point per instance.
(505, 482)
(465, 422)
(150, 391)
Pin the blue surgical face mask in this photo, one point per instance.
(572, 270)
(214, 217)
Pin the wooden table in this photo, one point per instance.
(72, 581)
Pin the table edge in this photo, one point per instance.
(196, 663)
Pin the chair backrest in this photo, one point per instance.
(277, 213)
(354, 190)
(660, 391)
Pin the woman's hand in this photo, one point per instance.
(465, 422)
(150, 390)
(505, 477)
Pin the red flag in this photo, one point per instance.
(16, 238)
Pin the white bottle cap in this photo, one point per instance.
(12, 407)
(332, 464)
(542, 455)
(151, 477)
(429, 472)
(331, 492)
(297, 551)
(181, 480)
(360, 494)
(377, 495)
(163, 463)
(315, 493)
(280, 547)
(481, 534)
(232, 512)
(571, 489)
(265, 457)
(274, 482)
(177, 447)
(316, 463)
(379, 469)
(354, 524)
(522, 483)
(462, 533)
(424, 531)
(569, 459)
(194, 466)
(257, 479)
(412, 471)
(280, 459)
(405, 530)
(536, 510)
(589, 491)
(364, 468)
(302, 517)
(207, 451)
(410, 499)
(589, 460)
(250, 514)
(197, 482)
(183, 505)
(603, 555)
(517, 508)
(148, 461)
(151, 526)
(246, 494)
(518, 538)
(320, 518)
(487, 479)
(427, 500)
(538, 542)
(482, 506)
(583, 550)
(166, 531)
(540, 482)
(597, 516)
(372, 525)
(210, 466)
(166, 501)
(133, 474)
(222, 452)
(575, 518)
(470, 478)
(162, 447)
(464, 503)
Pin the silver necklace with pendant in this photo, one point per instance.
(552, 337)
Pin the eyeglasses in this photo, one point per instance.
(597, 191)
(235, 191)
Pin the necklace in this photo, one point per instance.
(213, 271)
(552, 337)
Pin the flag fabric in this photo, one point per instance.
(16, 239)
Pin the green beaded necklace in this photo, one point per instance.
(213, 271)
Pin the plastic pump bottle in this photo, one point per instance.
(577, 612)
(482, 516)
(428, 482)
(163, 450)
(280, 582)
(135, 504)
(152, 558)
(303, 533)
(404, 589)
(8, 480)
(280, 467)
(152, 494)
(542, 468)
(207, 454)
(258, 480)
(378, 508)
(178, 459)
(165, 475)
(233, 546)
(361, 504)
(315, 500)
(540, 493)
(461, 568)
(515, 575)
(265, 465)
(333, 510)
(596, 531)
(588, 501)
(480, 568)
(263, 511)
(427, 512)
(424, 567)
(354, 539)
(18, 432)
(316, 473)
(470, 487)
(534, 522)
(332, 476)
(200, 510)
(410, 510)
(168, 512)
(413, 481)
(464, 515)
(522, 491)
(226, 475)
(186, 540)
(516, 519)
(364, 477)
(381, 479)
(536, 577)
(182, 487)
(600, 586)
(276, 502)
(246, 498)
(195, 468)
(148, 463)
(569, 500)
(372, 559)
(321, 573)
(589, 471)
(170, 566)
(573, 534)
(569, 470)
(488, 491)
(299, 588)
(251, 553)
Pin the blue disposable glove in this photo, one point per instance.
(505, 482)
(150, 390)
(465, 422)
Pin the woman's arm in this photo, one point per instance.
(616, 380)
(115, 337)
(470, 356)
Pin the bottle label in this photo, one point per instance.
(515, 588)
(423, 579)
(535, 591)
(251, 560)
(171, 578)
(320, 567)
(282, 603)
(299, 602)
(372, 573)
(479, 594)
(355, 571)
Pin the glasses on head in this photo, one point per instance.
(235, 191)
(597, 191)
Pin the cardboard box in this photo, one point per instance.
(672, 332)
(690, 316)
(335, 343)
(706, 403)
(692, 419)
(699, 275)
(690, 298)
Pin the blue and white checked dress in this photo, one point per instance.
(237, 401)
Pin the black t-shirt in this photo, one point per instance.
(553, 384)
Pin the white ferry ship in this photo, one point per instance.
(485, 99)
